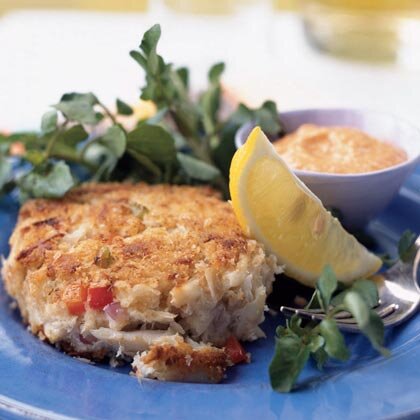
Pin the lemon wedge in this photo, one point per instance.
(276, 208)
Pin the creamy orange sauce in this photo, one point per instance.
(339, 150)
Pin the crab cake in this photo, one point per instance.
(118, 269)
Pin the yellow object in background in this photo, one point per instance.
(208, 7)
(284, 4)
(372, 30)
(107, 5)
(364, 5)
(213, 7)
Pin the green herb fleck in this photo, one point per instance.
(104, 258)
(123, 108)
(406, 248)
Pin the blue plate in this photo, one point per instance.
(38, 381)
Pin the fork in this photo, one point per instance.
(399, 297)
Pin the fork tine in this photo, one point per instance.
(341, 317)
(387, 310)
(308, 314)
(350, 327)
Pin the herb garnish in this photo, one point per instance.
(297, 342)
(186, 142)
(406, 249)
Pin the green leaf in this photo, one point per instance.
(179, 90)
(365, 288)
(115, 140)
(197, 169)
(5, 171)
(146, 163)
(104, 171)
(139, 58)
(99, 116)
(294, 324)
(268, 118)
(123, 108)
(334, 341)
(105, 151)
(290, 357)
(387, 259)
(79, 107)
(357, 307)
(148, 46)
(89, 97)
(326, 286)
(406, 248)
(314, 301)
(210, 103)
(153, 142)
(100, 156)
(150, 39)
(215, 72)
(317, 341)
(186, 119)
(74, 135)
(184, 76)
(281, 330)
(47, 181)
(240, 116)
(49, 122)
(321, 357)
(148, 92)
(4, 144)
(368, 320)
(36, 157)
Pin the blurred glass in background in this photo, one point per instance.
(371, 30)
(380, 31)
(210, 7)
(111, 5)
(184, 6)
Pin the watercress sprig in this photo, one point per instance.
(209, 139)
(186, 142)
(405, 249)
(297, 342)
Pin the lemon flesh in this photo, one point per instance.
(276, 208)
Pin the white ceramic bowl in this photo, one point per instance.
(359, 197)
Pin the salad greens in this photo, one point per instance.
(186, 142)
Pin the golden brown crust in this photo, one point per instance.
(150, 253)
(182, 362)
(174, 257)
(138, 251)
